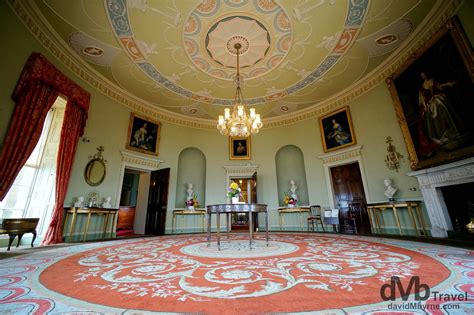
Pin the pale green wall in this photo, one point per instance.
(373, 118)
(290, 166)
(191, 169)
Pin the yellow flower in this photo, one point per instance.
(234, 185)
(286, 200)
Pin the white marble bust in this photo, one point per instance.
(189, 191)
(389, 190)
(106, 203)
(79, 202)
(293, 188)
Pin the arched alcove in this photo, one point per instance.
(191, 169)
(289, 163)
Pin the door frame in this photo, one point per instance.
(340, 158)
(238, 171)
(136, 162)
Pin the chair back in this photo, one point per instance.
(315, 210)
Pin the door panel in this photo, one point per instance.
(249, 195)
(157, 202)
(350, 198)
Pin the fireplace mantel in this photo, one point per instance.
(431, 180)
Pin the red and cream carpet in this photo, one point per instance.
(180, 274)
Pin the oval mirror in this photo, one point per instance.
(94, 173)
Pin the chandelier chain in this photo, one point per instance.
(239, 124)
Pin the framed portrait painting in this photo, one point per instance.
(433, 93)
(239, 148)
(143, 135)
(336, 130)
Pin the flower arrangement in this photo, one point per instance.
(233, 190)
(192, 203)
(289, 201)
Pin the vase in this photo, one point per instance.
(291, 205)
(235, 200)
(190, 207)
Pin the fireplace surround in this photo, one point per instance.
(431, 182)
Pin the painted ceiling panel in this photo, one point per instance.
(180, 55)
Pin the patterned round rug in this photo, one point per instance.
(180, 274)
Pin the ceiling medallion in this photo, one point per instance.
(93, 51)
(239, 124)
(243, 42)
(263, 28)
(252, 36)
(386, 40)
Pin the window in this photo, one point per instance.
(32, 193)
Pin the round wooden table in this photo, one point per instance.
(228, 209)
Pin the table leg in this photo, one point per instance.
(202, 221)
(280, 220)
(410, 211)
(209, 229)
(106, 224)
(369, 210)
(73, 222)
(420, 216)
(398, 221)
(218, 230)
(251, 228)
(378, 217)
(173, 224)
(266, 226)
(228, 217)
(64, 225)
(183, 223)
(301, 220)
(87, 226)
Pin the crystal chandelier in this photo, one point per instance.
(239, 124)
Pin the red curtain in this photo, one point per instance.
(38, 87)
(24, 131)
(73, 125)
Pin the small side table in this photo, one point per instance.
(183, 212)
(300, 210)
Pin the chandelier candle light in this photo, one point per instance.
(239, 124)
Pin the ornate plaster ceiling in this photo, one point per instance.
(179, 55)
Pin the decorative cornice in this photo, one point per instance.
(43, 32)
(240, 169)
(46, 36)
(341, 155)
(139, 159)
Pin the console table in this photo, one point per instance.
(228, 209)
(90, 212)
(183, 212)
(413, 208)
(300, 210)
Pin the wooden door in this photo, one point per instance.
(350, 198)
(157, 202)
(249, 195)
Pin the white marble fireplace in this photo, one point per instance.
(431, 181)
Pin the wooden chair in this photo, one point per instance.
(315, 216)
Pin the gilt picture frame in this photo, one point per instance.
(239, 148)
(143, 135)
(433, 93)
(336, 130)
